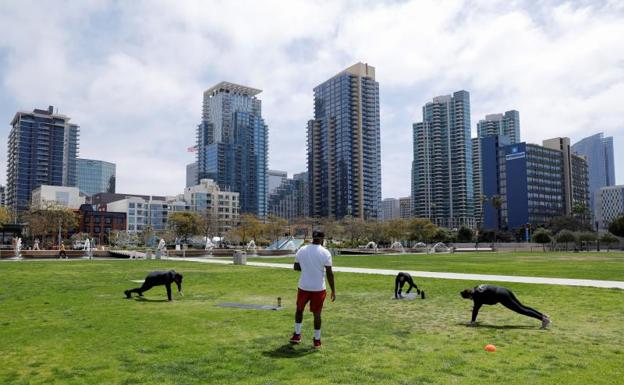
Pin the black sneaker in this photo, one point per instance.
(127, 293)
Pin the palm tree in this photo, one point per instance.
(497, 203)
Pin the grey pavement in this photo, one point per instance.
(441, 275)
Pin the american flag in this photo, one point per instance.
(192, 149)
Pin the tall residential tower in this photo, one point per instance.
(232, 144)
(442, 178)
(344, 153)
(42, 150)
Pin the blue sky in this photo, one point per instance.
(132, 73)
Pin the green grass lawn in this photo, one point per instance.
(65, 322)
(608, 266)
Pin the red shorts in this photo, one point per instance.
(316, 299)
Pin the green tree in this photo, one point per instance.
(587, 237)
(465, 234)
(443, 235)
(541, 236)
(50, 220)
(580, 211)
(275, 227)
(248, 228)
(185, 224)
(609, 239)
(565, 236)
(566, 223)
(420, 229)
(5, 217)
(616, 227)
(396, 229)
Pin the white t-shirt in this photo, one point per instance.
(313, 259)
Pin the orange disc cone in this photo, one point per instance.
(490, 348)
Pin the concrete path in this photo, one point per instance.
(484, 278)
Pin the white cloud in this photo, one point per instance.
(132, 73)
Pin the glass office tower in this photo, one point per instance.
(95, 176)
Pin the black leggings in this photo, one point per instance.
(146, 286)
(512, 303)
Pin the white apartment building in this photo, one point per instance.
(45, 196)
(142, 214)
(207, 199)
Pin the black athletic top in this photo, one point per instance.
(156, 278)
(488, 294)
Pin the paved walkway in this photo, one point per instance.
(432, 274)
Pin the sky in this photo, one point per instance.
(132, 73)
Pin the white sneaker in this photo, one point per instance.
(545, 322)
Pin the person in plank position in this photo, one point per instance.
(491, 295)
(400, 281)
(314, 262)
(158, 278)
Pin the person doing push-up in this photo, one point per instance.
(491, 295)
(158, 278)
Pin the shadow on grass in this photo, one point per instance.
(143, 299)
(289, 351)
(498, 327)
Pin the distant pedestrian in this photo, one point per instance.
(314, 262)
(62, 252)
(491, 295)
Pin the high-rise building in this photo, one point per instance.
(42, 150)
(276, 178)
(598, 151)
(95, 176)
(476, 181)
(303, 177)
(390, 209)
(2, 196)
(232, 144)
(507, 124)
(442, 175)
(191, 174)
(575, 175)
(609, 205)
(535, 183)
(344, 153)
(287, 200)
(405, 208)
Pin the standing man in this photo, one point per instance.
(314, 262)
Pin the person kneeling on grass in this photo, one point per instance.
(158, 278)
(491, 295)
(313, 261)
(400, 281)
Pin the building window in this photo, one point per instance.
(108, 220)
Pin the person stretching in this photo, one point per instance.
(491, 295)
(158, 278)
(313, 261)
(400, 281)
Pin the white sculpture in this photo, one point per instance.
(251, 248)
(18, 248)
(87, 248)
(162, 247)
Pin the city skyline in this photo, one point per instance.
(137, 104)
